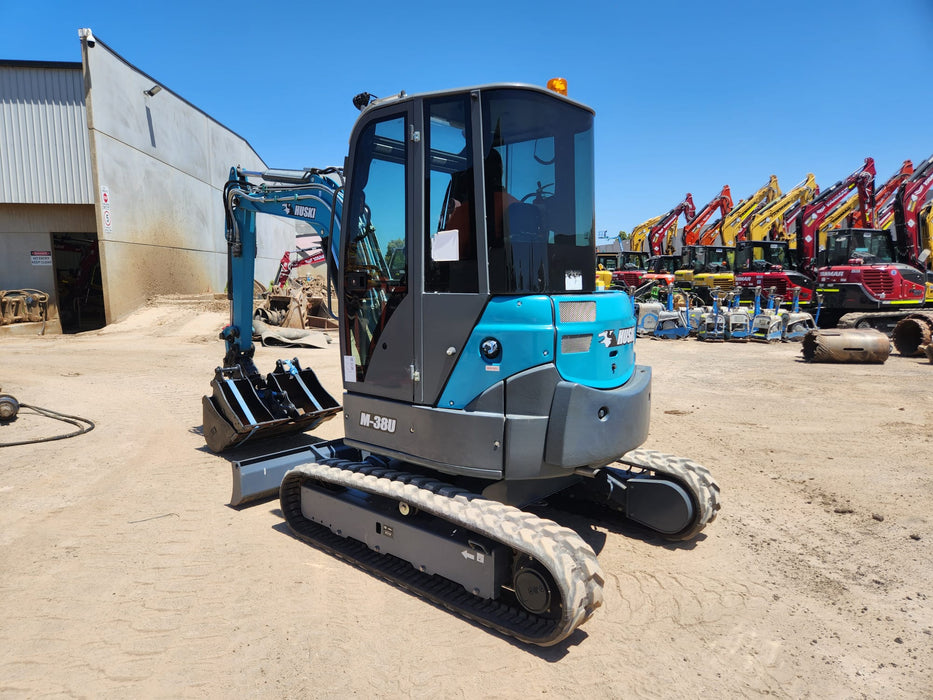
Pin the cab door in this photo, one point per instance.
(378, 309)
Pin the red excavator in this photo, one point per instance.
(886, 194)
(661, 235)
(812, 216)
(696, 232)
(870, 277)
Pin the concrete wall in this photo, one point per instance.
(28, 227)
(162, 164)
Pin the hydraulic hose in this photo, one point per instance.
(83, 424)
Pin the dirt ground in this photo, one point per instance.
(126, 574)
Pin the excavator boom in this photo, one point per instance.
(812, 216)
(770, 222)
(661, 235)
(694, 233)
(734, 225)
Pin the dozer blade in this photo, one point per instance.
(260, 477)
(241, 407)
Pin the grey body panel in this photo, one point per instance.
(389, 373)
(451, 441)
(551, 428)
(580, 435)
(448, 321)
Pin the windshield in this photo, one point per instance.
(540, 199)
(609, 261)
(761, 256)
(866, 246)
(664, 263)
(709, 259)
(634, 260)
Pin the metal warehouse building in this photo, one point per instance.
(110, 189)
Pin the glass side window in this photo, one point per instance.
(450, 245)
(539, 198)
(376, 260)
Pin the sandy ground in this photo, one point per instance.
(126, 574)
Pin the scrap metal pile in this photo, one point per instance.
(23, 306)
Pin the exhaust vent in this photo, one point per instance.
(577, 311)
(570, 344)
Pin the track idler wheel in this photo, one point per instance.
(534, 588)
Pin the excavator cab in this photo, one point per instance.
(471, 333)
(490, 194)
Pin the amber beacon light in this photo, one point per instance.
(558, 85)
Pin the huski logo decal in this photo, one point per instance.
(623, 336)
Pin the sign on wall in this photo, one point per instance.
(41, 257)
(105, 208)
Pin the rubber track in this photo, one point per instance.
(693, 476)
(879, 320)
(566, 556)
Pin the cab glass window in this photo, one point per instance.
(539, 196)
(375, 259)
(450, 220)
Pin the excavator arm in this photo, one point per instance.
(734, 226)
(312, 196)
(910, 200)
(854, 209)
(771, 220)
(694, 232)
(244, 404)
(885, 195)
(812, 216)
(640, 234)
(661, 235)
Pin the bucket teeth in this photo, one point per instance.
(245, 407)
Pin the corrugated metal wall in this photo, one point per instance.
(44, 153)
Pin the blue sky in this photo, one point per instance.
(689, 95)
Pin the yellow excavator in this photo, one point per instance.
(770, 222)
(640, 234)
(852, 213)
(735, 222)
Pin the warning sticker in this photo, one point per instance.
(41, 257)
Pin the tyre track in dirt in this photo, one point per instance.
(125, 573)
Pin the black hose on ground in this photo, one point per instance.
(83, 424)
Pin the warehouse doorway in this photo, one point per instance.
(78, 282)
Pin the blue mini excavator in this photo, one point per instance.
(482, 370)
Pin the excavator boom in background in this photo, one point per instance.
(770, 222)
(885, 196)
(661, 235)
(482, 370)
(734, 224)
(814, 213)
(639, 237)
(912, 195)
(694, 232)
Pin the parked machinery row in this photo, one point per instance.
(865, 250)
